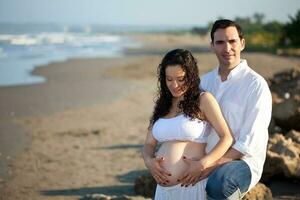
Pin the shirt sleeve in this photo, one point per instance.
(253, 135)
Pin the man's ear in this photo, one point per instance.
(212, 45)
(243, 44)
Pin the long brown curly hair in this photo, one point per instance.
(190, 103)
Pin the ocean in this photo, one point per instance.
(25, 46)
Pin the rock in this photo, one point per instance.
(285, 89)
(286, 83)
(283, 156)
(275, 98)
(273, 128)
(287, 114)
(145, 185)
(294, 135)
(259, 192)
(106, 197)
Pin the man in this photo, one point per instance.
(246, 103)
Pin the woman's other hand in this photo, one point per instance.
(158, 172)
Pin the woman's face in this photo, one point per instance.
(175, 80)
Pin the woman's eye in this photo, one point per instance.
(181, 80)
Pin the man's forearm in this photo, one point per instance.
(230, 155)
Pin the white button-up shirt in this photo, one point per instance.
(246, 103)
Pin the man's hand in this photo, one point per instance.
(205, 173)
(197, 171)
(191, 176)
(158, 172)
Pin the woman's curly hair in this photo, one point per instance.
(190, 103)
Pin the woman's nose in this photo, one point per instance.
(175, 84)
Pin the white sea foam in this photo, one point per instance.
(45, 38)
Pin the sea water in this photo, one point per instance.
(26, 46)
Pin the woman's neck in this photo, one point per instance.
(175, 105)
(176, 100)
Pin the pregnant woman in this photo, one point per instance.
(180, 122)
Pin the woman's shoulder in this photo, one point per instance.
(206, 98)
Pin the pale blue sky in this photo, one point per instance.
(141, 12)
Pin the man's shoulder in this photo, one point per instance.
(256, 79)
(206, 80)
(208, 75)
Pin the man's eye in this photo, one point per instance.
(169, 79)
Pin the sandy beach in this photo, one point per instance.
(82, 131)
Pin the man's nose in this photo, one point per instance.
(227, 46)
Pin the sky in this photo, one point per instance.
(142, 12)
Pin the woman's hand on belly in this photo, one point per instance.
(176, 169)
(159, 173)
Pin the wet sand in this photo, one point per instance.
(81, 132)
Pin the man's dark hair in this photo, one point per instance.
(224, 23)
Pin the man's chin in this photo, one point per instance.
(226, 63)
(229, 63)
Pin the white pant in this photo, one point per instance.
(176, 192)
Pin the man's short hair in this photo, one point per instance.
(224, 23)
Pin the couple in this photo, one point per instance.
(228, 118)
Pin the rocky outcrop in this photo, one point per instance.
(286, 84)
(259, 192)
(287, 114)
(285, 87)
(294, 135)
(145, 185)
(104, 197)
(283, 156)
(113, 197)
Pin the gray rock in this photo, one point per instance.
(285, 87)
(145, 185)
(286, 82)
(108, 197)
(259, 192)
(287, 114)
(283, 156)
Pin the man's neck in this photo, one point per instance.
(224, 71)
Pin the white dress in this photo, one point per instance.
(176, 192)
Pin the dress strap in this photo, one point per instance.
(202, 93)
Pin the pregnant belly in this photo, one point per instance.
(172, 151)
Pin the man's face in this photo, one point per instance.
(227, 45)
